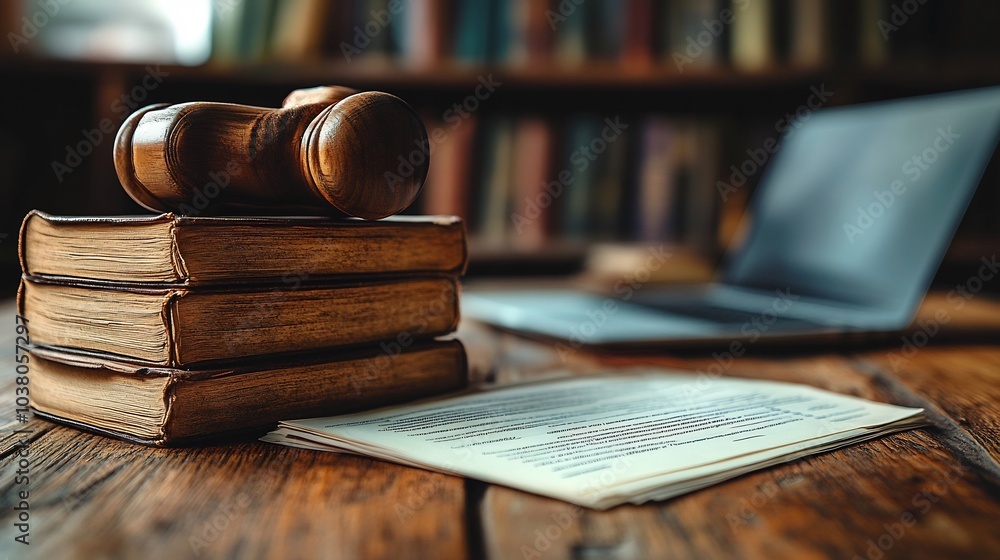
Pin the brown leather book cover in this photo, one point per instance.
(172, 249)
(171, 406)
(177, 326)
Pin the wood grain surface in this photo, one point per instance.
(928, 493)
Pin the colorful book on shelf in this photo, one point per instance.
(422, 25)
(612, 175)
(366, 17)
(338, 23)
(298, 30)
(661, 40)
(255, 30)
(873, 48)
(637, 42)
(579, 194)
(737, 180)
(809, 33)
(472, 24)
(692, 33)
(605, 29)
(570, 46)
(500, 38)
(446, 190)
(657, 179)
(495, 180)
(532, 35)
(782, 31)
(702, 197)
(170, 406)
(751, 34)
(226, 30)
(752, 46)
(531, 204)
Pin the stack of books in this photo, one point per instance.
(168, 329)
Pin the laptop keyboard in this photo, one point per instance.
(724, 315)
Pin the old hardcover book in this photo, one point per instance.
(167, 406)
(179, 325)
(194, 250)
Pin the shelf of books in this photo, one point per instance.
(552, 125)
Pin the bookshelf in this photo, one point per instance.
(552, 98)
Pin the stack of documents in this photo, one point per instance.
(627, 436)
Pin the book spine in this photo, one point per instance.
(168, 313)
(22, 239)
(181, 272)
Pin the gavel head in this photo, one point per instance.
(363, 154)
(366, 155)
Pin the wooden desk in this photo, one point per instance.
(929, 493)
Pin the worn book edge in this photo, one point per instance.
(178, 375)
(181, 273)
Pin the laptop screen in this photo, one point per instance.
(861, 202)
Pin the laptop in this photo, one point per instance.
(846, 231)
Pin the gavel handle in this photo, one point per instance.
(327, 150)
(189, 152)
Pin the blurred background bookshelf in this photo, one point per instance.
(556, 126)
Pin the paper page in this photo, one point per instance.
(587, 439)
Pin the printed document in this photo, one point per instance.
(603, 440)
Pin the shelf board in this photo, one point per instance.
(595, 76)
(488, 258)
(559, 78)
(546, 80)
(933, 74)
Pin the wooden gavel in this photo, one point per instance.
(364, 154)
